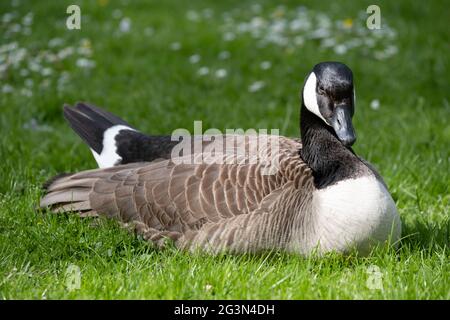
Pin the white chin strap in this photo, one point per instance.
(310, 97)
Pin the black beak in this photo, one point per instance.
(341, 122)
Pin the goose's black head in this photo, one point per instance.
(329, 94)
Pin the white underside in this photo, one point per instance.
(354, 213)
(109, 156)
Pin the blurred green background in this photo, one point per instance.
(232, 64)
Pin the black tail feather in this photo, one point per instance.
(90, 123)
(99, 114)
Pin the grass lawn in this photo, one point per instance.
(163, 64)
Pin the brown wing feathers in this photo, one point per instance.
(218, 205)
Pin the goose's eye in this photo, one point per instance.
(321, 90)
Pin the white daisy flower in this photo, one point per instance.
(27, 20)
(203, 71)
(55, 42)
(46, 72)
(34, 66)
(340, 49)
(265, 65)
(175, 46)
(195, 58)
(221, 73)
(65, 52)
(229, 36)
(15, 28)
(7, 88)
(29, 83)
(224, 55)
(256, 86)
(192, 15)
(26, 92)
(85, 63)
(125, 25)
(375, 104)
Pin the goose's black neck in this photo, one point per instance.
(328, 158)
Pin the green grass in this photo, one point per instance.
(139, 77)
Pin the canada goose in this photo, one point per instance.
(322, 197)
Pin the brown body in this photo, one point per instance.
(214, 206)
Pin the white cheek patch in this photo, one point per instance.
(310, 97)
